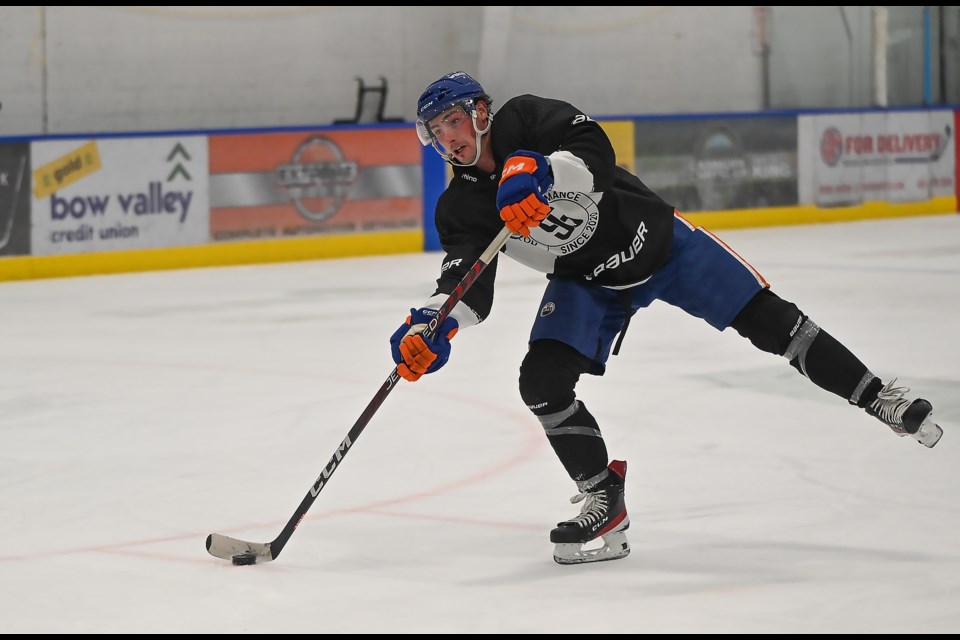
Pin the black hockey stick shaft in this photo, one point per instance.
(225, 547)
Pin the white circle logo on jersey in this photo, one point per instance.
(570, 225)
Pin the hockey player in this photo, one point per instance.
(609, 246)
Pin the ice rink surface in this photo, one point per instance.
(141, 412)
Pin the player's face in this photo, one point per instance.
(453, 129)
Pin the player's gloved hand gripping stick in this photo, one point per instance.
(415, 354)
(242, 552)
(522, 194)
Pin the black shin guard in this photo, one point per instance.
(548, 376)
(779, 327)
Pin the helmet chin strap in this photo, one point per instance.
(449, 156)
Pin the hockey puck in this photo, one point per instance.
(245, 558)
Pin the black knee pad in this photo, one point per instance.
(548, 375)
(769, 322)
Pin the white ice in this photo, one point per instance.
(141, 412)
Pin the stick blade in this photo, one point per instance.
(225, 547)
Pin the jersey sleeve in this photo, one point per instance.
(462, 233)
(477, 302)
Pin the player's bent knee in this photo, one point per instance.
(774, 325)
(548, 375)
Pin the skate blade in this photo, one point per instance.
(615, 547)
(929, 433)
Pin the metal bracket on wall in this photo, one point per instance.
(362, 92)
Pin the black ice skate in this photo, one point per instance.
(905, 417)
(603, 515)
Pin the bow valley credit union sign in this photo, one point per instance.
(115, 194)
(275, 185)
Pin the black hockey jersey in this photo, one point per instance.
(606, 227)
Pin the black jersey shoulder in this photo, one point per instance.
(539, 124)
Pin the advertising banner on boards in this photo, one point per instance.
(115, 194)
(900, 156)
(716, 164)
(15, 199)
(294, 184)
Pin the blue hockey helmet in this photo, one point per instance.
(451, 90)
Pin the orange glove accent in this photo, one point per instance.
(522, 192)
(415, 355)
(518, 164)
(524, 215)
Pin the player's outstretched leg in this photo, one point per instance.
(777, 326)
(603, 515)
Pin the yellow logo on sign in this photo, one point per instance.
(66, 170)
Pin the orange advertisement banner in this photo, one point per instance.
(290, 184)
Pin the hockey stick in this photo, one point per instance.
(242, 552)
